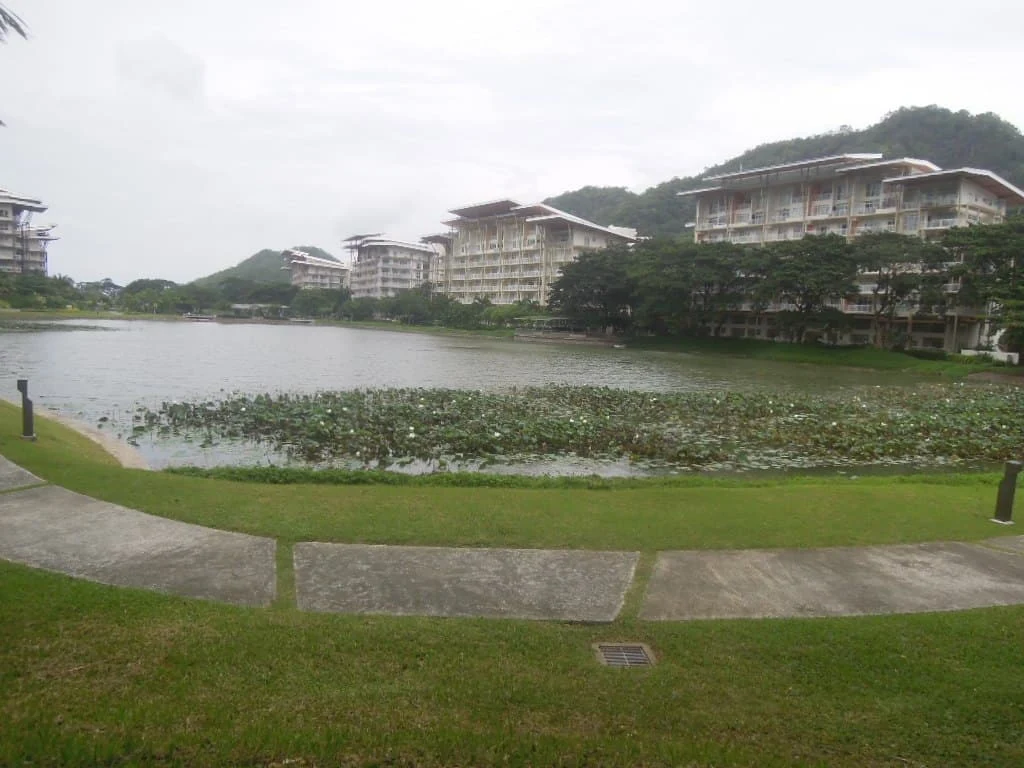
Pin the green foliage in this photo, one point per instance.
(668, 286)
(36, 291)
(991, 269)
(262, 267)
(696, 430)
(951, 139)
(595, 289)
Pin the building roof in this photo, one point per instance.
(928, 165)
(482, 210)
(700, 191)
(831, 160)
(300, 257)
(441, 238)
(421, 247)
(989, 181)
(535, 212)
(28, 203)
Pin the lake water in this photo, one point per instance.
(105, 369)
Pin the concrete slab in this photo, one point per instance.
(55, 529)
(832, 582)
(1008, 543)
(12, 476)
(433, 581)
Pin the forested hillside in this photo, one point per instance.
(262, 267)
(947, 138)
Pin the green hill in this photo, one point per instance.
(951, 139)
(262, 267)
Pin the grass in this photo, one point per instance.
(730, 514)
(386, 325)
(853, 357)
(95, 675)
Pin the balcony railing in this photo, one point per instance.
(938, 200)
(944, 223)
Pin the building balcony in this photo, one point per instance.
(939, 201)
(942, 223)
(875, 205)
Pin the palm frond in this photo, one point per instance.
(11, 22)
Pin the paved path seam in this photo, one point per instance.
(49, 527)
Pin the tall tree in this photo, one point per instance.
(990, 266)
(595, 289)
(809, 273)
(11, 22)
(662, 273)
(900, 267)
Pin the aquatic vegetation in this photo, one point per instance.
(703, 430)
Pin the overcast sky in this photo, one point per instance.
(171, 139)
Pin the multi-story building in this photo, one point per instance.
(508, 252)
(312, 272)
(22, 245)
(848, 195)
(851, 195)
(383, 267)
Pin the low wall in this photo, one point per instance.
(1004, 357)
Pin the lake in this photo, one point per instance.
(97, 370)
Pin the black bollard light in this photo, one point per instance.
(1007, 488)
(28, 425)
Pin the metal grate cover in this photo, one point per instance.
(625, 655)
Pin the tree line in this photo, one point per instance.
(675, 287)
(243, 297)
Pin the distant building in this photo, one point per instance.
(507, 252)
(22, 245)
(847, 195)
(851, 195)
(383, 267)
(312, 272)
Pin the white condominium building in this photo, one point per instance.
(848, 195)
(508, 252)
(383, 267)
(312, 272)
(22, 245)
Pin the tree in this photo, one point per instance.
(595, 289)
(990, 267)
(663, 280)
(901, 266)
(11, 22)
(809, 273)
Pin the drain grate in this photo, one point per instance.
(624, 654)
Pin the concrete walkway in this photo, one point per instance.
(52, 528)
(568, 585)
(839, 581)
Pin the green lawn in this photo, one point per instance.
(96, 675)
(820, 512)
(854, 357)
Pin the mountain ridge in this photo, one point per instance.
(950, 139)
(264, 266)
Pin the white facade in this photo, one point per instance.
(22, 245)
(848, 195)
(507, 252)
(310, 272)
(851, 195)
(383, 267)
